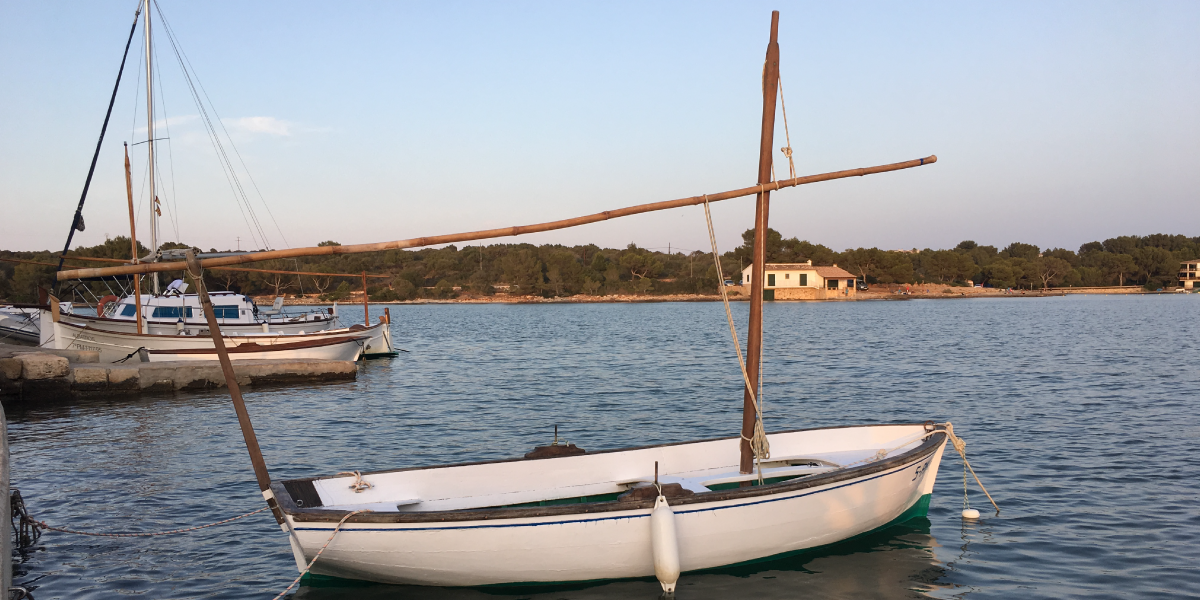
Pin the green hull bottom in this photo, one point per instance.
(919, 510)
(381, 355)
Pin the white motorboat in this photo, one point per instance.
(237, 313)
(588, 517)
(346, 347)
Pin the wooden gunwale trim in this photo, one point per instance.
(254, 347)
(310, 515)
(419, 242)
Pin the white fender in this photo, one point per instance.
(664, 545)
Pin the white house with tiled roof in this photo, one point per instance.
(803, 281)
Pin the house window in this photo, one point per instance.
(771, 280)
(229, 311)
(831, 284)
(787, 275)
(128, 310)
(746, 278)
(804, 279)
(172, 312)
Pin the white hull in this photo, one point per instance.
(426, 541)
(348, 348)
(116, 346)
(85, 333)
(17, 324)
(167, 327)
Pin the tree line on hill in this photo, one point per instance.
(553, 270)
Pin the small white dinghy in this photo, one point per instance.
(587, 517)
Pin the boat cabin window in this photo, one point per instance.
(128, 310)
(172, 312)
(228, 311)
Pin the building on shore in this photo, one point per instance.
(803, 281)
(1189, 274)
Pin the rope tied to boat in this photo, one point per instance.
(359, 483)
(34, 527)
(961, 446)
(318, 555)
(758, 441)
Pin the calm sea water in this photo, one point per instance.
(1080, 413)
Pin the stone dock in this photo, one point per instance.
(32, 374)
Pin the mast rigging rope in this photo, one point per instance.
(758, 441)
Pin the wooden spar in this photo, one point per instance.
(757, 276)
(366, 308)
(222, 261)
(182, 266)
(29, 262)
(137, 281)
(235, 391)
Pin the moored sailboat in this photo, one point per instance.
(563, 515)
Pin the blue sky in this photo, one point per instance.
(1055, 123)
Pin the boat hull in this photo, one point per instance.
(19, 325)
(348, 348)
(90, 333)
(119, 346)
(617, 544)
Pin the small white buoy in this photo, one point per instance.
(970, 514)
(664, 544)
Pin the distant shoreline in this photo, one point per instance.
(876, 293)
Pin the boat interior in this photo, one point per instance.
(683, 470)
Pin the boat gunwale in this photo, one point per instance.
(322, 514)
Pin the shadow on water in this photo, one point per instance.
(895, 562)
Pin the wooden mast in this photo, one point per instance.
(137, 279)
(235, 391)
(366, 308)
(757, 271)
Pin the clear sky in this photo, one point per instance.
(1055, 123)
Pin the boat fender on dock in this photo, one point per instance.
(664, 545)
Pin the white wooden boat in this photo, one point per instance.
(19, 324)
(578, 518)
(116, 346)
(564, 515)
(321, 348)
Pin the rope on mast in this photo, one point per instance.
(758, 442)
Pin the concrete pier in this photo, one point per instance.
(31, 374)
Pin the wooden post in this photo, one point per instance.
(366, 309)
(235, 391)
(758, 271)
(137, 280)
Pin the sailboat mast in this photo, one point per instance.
(150, 139)
(758, 272)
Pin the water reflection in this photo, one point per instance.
(897, 562)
